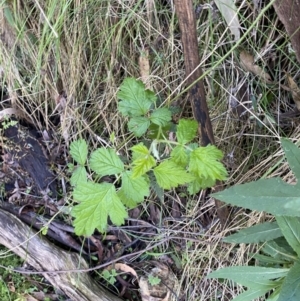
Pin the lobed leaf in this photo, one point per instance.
(161, 116)
(255, 234)
(179, 155)
(204, 163)
(186, 130)
(105, 161)
(138, 125)
(79, 151)
(97, 202)
(142, 160)
(169, 175)
(135, 99)
(79, 175)
(135, 189)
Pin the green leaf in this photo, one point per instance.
(252, 294)
(204, 163)
(292, 154)
(179, 155)
(279, 249)
(249, 276)
(138, 125)
(270, 195)
(79, 151)
(169, 175)
(97, 202)
(136, 189)
(104, 161)
(79, 175)
(290, 290)
(139, 151)
(194, 187)
(136, 101)
(157, 132)
(161, 116)
(186, 130)
(155, 187)
(142, 160)
(267, 259)
(290, 227)
(255, 234)
(126, 200)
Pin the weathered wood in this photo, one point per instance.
(38, 252)
(187, 24)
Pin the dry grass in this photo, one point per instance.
(86, 48)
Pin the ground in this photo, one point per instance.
(61, 65)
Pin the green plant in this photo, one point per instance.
(148, 167)
(278, 272)
(110, 276)
(154, 280)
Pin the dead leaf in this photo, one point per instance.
(164, 291)
(247, 62)
(124, 268)
(7, 112)
(228, 10)
(145, 67)
(294, 90)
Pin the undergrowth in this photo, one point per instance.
(62, 63)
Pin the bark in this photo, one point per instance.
(43, 256)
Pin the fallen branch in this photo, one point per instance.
(39, 253)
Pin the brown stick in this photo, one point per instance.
(187, 24)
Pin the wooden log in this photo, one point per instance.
(43, 256)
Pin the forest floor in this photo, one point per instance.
(61, 65)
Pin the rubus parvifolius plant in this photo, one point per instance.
(277, 272)
(150, 166)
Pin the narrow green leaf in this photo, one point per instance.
(179, 155)
(267, 259)
(290, 290)
(161, 116)
(135, 189)
(249, 276)
(97, 202)
(279, 249)
(136, 100)
(290, 227)
(255, 234)
(292, 154)
(268, 195)
(169, 175)
(138, 125)
(204, 163)
(79, 175)
(79, 151)
(104, 161)
(186, 130)
(252, 294)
